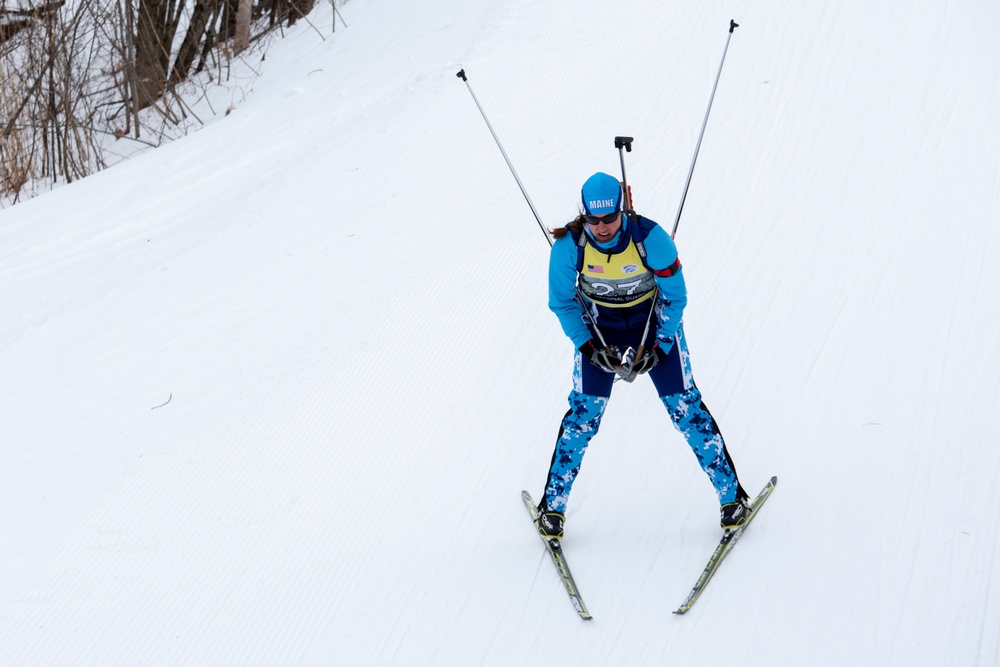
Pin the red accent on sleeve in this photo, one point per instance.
(670, 270)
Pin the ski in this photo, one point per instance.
(559, 559)
(725, 545)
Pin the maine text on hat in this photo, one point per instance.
(600, 203)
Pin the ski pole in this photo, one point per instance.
(629, 375)
(733, 25)
(461, 75)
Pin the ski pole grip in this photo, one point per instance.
(624, 142)
(733, 25)
(461, 74)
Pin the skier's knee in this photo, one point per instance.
(679, 405)
(585, 413)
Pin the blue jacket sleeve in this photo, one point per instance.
(661, 256)
(562, 291)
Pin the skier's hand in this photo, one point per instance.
(601, 357)
(647, 361)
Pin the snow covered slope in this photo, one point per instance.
(270, 392)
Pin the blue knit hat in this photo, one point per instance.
(602, 194)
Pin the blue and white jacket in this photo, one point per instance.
(616, 280)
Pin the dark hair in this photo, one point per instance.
(575, 225)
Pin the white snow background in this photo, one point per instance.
(342, 293)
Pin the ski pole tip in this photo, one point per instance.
(733, 25)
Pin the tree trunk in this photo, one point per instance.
(242, 26)
(150, 52)
(299, 9)
(203, 13)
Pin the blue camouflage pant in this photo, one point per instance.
(675, 386)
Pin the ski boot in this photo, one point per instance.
(550, 524)
(734, 515)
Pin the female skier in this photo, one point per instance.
(624, 270)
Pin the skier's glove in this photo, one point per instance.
(646, 362)
(601, 357)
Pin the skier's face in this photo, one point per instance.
(605, 227)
